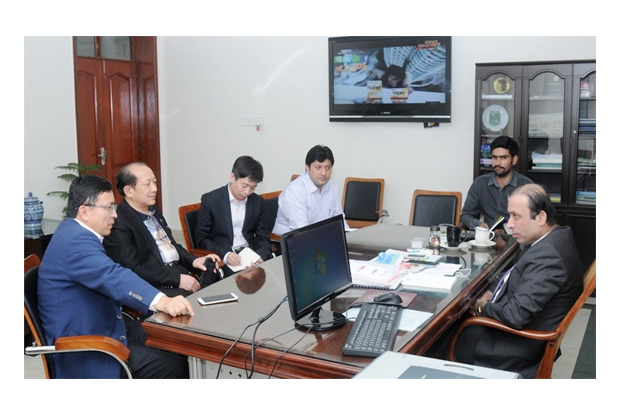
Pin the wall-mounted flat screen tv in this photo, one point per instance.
(390, 78)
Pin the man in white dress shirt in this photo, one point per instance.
(232, 217)
(312, 197)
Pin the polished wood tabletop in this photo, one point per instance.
(286, 352)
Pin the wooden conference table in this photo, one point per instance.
(208, 335)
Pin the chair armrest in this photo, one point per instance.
(203, 252)
(495, 324)
(381, 213)
(97, 343)
(102, 344)
(130, 312)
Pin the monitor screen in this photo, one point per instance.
(316, 269)
(390, 78)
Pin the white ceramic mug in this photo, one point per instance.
(481, 259)
(483, 235)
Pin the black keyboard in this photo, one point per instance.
(374, 331)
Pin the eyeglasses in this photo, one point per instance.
(112, 207)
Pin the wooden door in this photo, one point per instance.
(117, 110)
(106, 113)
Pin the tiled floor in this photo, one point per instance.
(563, 368)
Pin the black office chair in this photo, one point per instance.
(271, 213)
(102, 344)
(362, 201)
(435, 208)
(188, 215)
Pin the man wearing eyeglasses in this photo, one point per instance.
(142, 241)
(81, 291)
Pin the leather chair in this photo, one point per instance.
(271, 212)
(362, 201)
(92, 343)
(188, 220)
(552, 339)
(435, 208)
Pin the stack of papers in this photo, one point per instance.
(547, 161)
(384, 271)
(369, 274)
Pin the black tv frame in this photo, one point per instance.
(429, 112)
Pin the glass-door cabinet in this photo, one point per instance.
(546, 127)
(584, 166)
(549, 108)
(498, 110)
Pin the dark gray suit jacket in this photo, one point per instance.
(214, 224)
(543, 286)
(131, 245)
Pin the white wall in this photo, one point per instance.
(207, 84)
(49, 118)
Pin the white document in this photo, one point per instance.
(248, 257)
(424, 281)
(371, 274)
(439, 277)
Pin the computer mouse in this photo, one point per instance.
(388, 298)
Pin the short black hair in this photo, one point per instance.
(85, 190)
(538, 200)
(246, 166)
(126, 178)
(503, 141)
(319, 153)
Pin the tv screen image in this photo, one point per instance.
(390, 78)
(316, 268)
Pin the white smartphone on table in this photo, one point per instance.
(217, 299)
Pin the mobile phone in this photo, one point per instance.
(216, 299)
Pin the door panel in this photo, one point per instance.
(86, 111)
(106, 114)
(121, 129)
(117, 110)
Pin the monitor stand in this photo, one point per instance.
(321, 320)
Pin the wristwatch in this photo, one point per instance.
(479, 310)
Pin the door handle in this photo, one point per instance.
(102, 156)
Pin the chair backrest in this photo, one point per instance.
(435, 208)
(362, 198)
(552, 346)
(271, 208)
(31, 310)
(188, 220)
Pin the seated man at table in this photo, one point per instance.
(142, 241)
(232, 217)
(535, 294)
(312, 197)
(488, 195)
(81, 291)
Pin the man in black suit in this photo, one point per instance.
(142, 241)
(233, 216)
(535, 294)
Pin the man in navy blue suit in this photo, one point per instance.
(81, 291)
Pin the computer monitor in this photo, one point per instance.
(316, 269)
